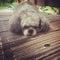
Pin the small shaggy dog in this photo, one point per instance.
(27, 20)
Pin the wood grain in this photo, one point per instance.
(44, 46)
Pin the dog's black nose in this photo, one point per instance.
(30, 31)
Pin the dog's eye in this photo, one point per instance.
(36, 27)
(25, 27)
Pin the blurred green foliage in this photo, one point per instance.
(49, 9)
(4, 2)
(7, 4)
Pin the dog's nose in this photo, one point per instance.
(30, 31)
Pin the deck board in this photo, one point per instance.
(45, 46)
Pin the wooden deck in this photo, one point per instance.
(44, 46)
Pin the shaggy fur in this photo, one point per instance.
(27, 20)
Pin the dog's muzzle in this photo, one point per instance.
(30, 32)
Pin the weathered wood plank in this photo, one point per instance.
(43, 46)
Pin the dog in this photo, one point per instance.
(27, 20)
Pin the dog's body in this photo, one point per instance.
(27, 20)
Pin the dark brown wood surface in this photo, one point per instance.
(45, 46)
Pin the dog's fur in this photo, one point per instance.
(27, 20)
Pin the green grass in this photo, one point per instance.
(3, 7)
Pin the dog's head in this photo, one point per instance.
(27, 20)
(30, 22)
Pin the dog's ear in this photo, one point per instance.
(43, 26)
(15, 27)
